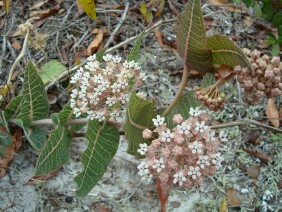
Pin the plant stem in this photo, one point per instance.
(179, 93)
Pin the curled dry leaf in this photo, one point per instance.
(272, 113)
(232, 197)
(159, 36)
(10, 151)
(227, 5)
(45, 177)
(264, 157)
(93, 46)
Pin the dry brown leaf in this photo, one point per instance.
(224, 71)
(280, 112)
(95, 43)
(232, 197)
(17, 45)
(45, 177)
(41, 14)
(253, 171)
(262, 156)
(225, 4)
(223, 205)
(10, 150)
(97, 30)
(38, 4)
(102, 208)
(272, 113)
(159, 36)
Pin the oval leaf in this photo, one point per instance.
(51, 70)
(55, 151)
(35, 103)
(277, 19)
(103, 142)
(89, 7)
(140, 112)
(191, 38)
(225, 51)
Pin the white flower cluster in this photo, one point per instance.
(102, 89)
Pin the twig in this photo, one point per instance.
(3, 52)
(58, 33)
(19, 57)
(118, 25)
(244, 122)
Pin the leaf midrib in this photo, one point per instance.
(188, 35)
(55, 147)
(92, 150)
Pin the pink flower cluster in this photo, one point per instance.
(102, 89)
(181, 156)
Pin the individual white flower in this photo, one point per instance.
(115, 113)
(125, 74)
(196, 147)
(126, 64)
(203, 161)
(76, 112)
(124, 98)
(217, 159)
(91, 57)
(158, 121)
(211, 137)
(116, 59)
(179, 178)
(98, 78)
(143, 168)
(195, 112)
(108, 71)
(148, 177)
(194, 172)
(143, 149)
(74, 93)
(123, 83)
(167, 136)
(158, 164)
(92, 65)
(115, 88)
(200, 127)
(110, 101)
(99, 116)
(244, 190)
(184, 128)
(107, 57)
(94, 100)
(223, 136)
(98, 91)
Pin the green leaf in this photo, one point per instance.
(191, 38)
(51, 70)
(140, 112)
(279, 40)
(271, 39)
(3, 121)
(55, 151)
(267, 10)
(103, 142)
(36, 136)
(275, 49)
(100, 54)
(225, 51)
(182, 107)
(13, 108)
(257, 9)
(279, 29)
(5, 139)
(2, 150)
(89, 7)
(277, 19)
(34, 104)
(143, 9)
(136, 48)
(65, 114)
(209, 79)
